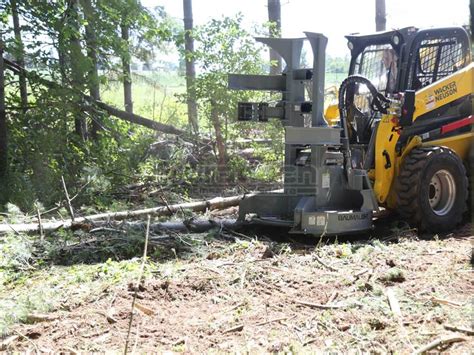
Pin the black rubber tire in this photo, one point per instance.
(413, 188)
(468, 214)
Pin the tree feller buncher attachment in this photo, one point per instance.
(402, 139)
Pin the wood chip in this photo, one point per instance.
(438, 342)
(360, 273)
(95, 334)
(233, 308)
(393, 302)
(7, 342)
(274, 320)
(108, 316)
(69, 350)
(144, 309)
(315, 257)
(333, 297)
(444, 301)
(242, 278)
(237, 328)
(179, 342)
(459, 329)
(38, 318)
(310, 341)
(322, 306)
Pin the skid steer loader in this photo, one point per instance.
(400, 138)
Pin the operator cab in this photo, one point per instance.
(396, 61)
(377, 57)
(408, 58)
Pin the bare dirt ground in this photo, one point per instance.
(265, 296)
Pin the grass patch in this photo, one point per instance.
(62, 288)
(31, 281)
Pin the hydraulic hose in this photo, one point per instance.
(379, 103)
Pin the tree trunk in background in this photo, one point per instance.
(93, 74)
(380, 15)
(3, 134)
(274, 16)
(190, 68)
(127, 73)
(19, 55)
(77, 60)
(220, 143)
(471, 10)
(61, 48)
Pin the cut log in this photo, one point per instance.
(198, 206)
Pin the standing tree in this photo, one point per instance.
(126, 59)
(64, 43)
(3, 133)
(380, 15)
(141, 32)
(20, 54)
(471, 11)
(190, 67)
(77, 65)
(224, 47)
(91, 18)
(274, 17)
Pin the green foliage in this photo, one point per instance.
(336, 70)
(223, 47)
(337, 64)
(46, 289)
(43, 153)
(15, 254)
(44, 145)
(150, 28)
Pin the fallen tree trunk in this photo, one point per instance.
(186, 226)
(164, 233)
(137, 119)
(199, 206)
(123, 115)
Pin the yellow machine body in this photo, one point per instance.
(428, 99)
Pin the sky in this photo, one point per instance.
(333, 18)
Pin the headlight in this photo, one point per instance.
(350, 45)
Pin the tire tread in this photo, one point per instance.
(408, 186)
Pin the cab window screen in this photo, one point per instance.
(437, 58)
(379, 64)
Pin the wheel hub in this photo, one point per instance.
(442, 192)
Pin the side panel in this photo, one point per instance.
(385, 157)
(443, 92)
(429, 100)
(461, 144)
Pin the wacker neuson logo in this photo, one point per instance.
(445, 91)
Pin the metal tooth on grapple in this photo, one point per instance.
(320, 196)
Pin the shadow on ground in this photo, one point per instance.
(117, 244)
